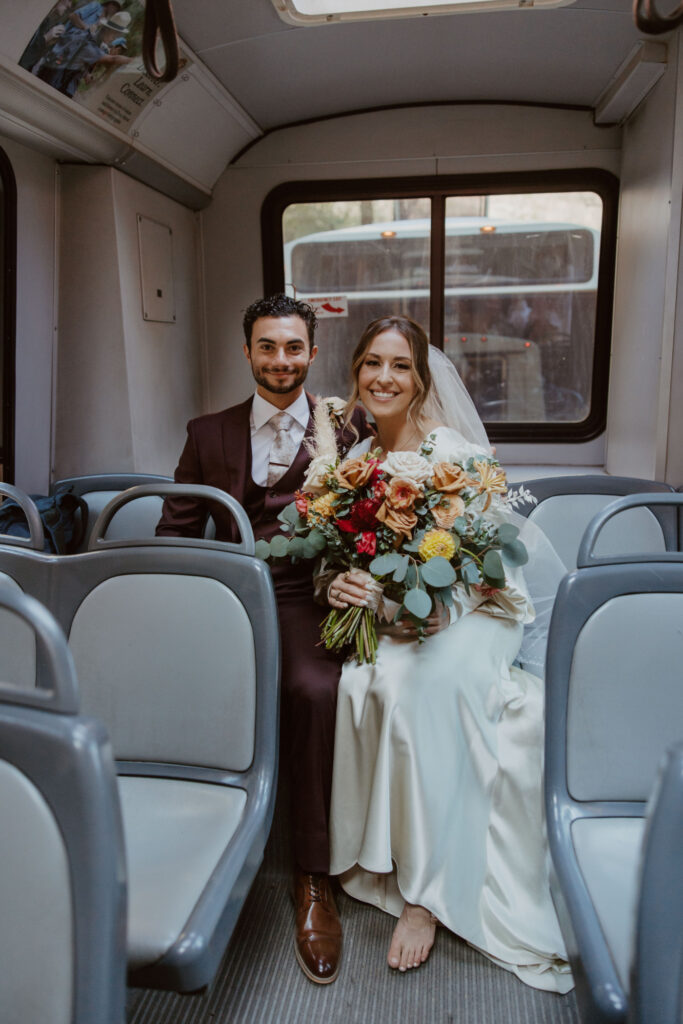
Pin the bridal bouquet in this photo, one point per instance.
(415, 526)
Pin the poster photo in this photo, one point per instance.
(91, 52)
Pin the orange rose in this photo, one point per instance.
(402, 523)
(448, 511)
(402, 494)
(450, 479)
(354, 473)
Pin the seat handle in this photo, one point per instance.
(586, 557)
(246, 545)
(60, 690)
(36, 537)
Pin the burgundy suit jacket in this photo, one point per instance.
(218, 453)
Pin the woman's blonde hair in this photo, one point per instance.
(419, 351)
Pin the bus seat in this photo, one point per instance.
(17, 638)
(62, 886)
(134, 520)
(657, 965)
(566, 504)
(613, 705)
(176, 646)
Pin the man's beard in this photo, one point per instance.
(280, 389)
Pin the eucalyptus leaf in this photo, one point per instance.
(438, 572)
(515, 553)
(411, 576)
(317, 541)
(384, 564)
(297, 547)
(290, 515)
(262, 549)
(401, 570)
(445, 595)
(470, 572)
(279, 546)
(507, 533)
(460, 525)
(418, 603)
(493, 566)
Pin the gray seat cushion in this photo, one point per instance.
(175, 833)
(608, 853)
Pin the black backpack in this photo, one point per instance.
(64, 529)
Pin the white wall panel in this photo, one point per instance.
(648, 240)
(126, 386)
(35, 176)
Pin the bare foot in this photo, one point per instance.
(413, 938)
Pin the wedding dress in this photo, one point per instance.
(437, 789)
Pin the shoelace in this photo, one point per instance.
(314, 889)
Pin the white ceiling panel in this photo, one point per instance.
(520, 56)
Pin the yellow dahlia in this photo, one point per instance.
(324, 505)
(437, 542)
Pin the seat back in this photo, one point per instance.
(566, 504)
(613, 704)
(175, 641)
(135, 520)
(17, 638)
(62, 888)
(656, 995)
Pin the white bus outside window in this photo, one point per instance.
(519, 298)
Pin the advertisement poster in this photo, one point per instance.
(91, 52)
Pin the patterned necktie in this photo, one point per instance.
(283, 449)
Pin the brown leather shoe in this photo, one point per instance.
(318, 936)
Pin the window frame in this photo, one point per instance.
(439, 188)
(8, 319)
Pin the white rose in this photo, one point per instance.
(335, 405)
(407, 465)
(318, 470)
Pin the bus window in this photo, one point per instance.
(364, 257)
(518, 289)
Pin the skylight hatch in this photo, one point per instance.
(312, 12)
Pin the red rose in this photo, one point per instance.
(364, 513)
(345, 525)
(367, 545)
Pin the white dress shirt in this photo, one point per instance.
(263, 433)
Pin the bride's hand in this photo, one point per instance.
(348, 588)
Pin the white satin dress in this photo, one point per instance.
(437, 787)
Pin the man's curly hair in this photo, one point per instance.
(279, 306)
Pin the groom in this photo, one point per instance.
(254, 451)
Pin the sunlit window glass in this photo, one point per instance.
(356, 260)
(520, 300)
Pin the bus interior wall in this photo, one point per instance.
(102, 389)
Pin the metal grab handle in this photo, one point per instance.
(246, 545)
(648, 20)
(53, 653)
(36, 537)
(585, 555)
(159, 21)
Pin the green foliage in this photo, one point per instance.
(262, 549)
(384, 564)
(438, 572)
(493, 570)
(515, 553)
(418, 602)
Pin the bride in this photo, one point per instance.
(437, 811)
